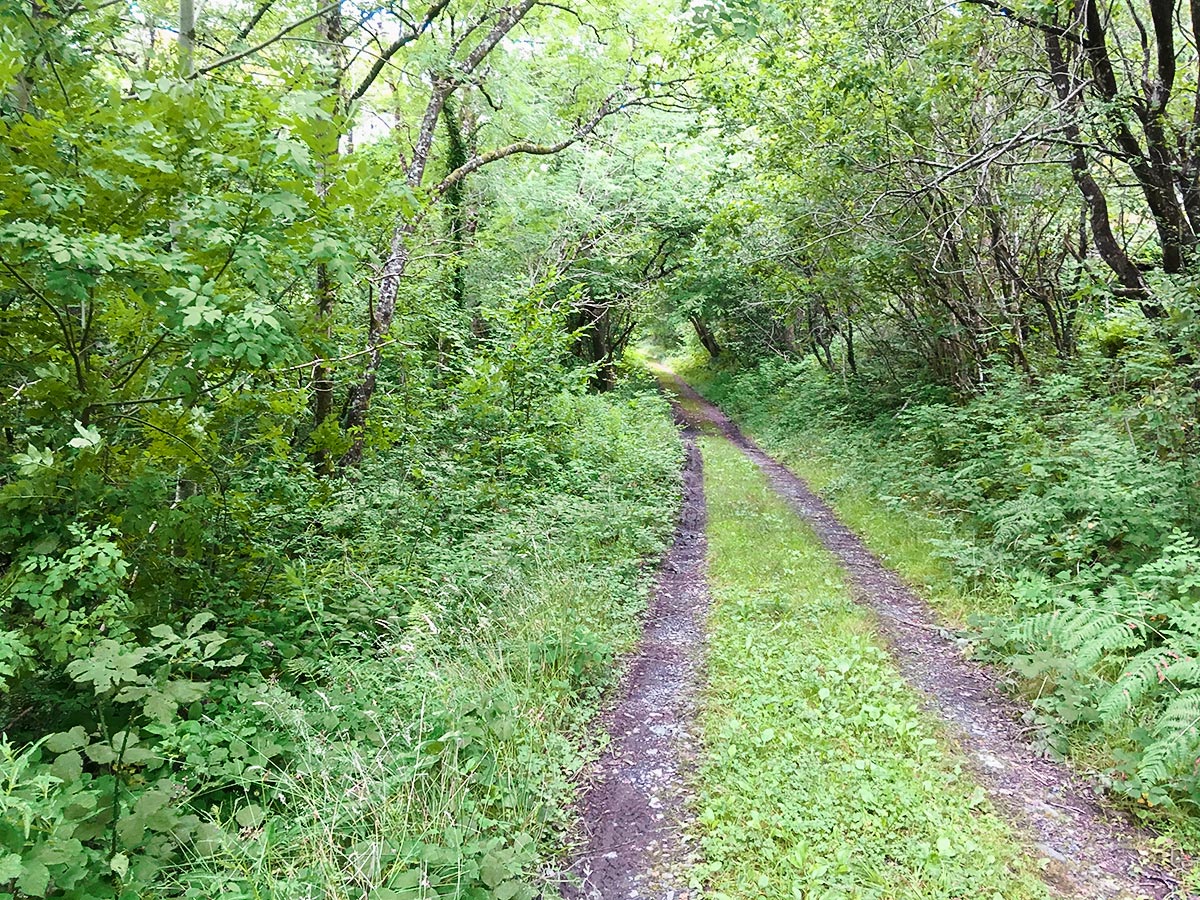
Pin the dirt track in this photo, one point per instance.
(1094, 852)
(634, 842)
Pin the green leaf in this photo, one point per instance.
(110, 666)
(88, 437)
(101, 754)
(160, 707)
(68, 767)
(493, 870)
(63, 741)
(33, 460)
(405, 880)
(10, 866)
(250, 817)
(209, 839)
(196, 622)
(34, 879)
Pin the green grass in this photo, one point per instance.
(900, 535)
(821, 777)
(843, 466)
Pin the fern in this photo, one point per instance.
(1176, 737)
(1185, 627)
(1184, 671)
(1142, 674)
(1101, 634)
(1089, 634)
(1049, 627)
(1037, 629)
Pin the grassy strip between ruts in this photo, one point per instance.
(821, 778)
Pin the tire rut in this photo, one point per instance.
(1094, 852)
(633, 814)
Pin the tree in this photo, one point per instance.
(468, 52)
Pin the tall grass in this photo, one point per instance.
(443, 762)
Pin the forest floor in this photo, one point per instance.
(725, 768)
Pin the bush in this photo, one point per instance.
(271, 684)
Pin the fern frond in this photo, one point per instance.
(1142, 673)
(1038, 629)
(1184, 625)
(1104, 637)
(1184, 671)
(1177, 735)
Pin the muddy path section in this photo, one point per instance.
(1093, 853)
(633, 813)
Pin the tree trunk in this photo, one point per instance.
(381, 313)
(358, 400)
(707, 339)
(600, 340)
(331, 34)
(187, 37)
(1106, 242)
(322, 375)
(851, 359)
(456, 155)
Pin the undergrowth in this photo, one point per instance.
(821, 776)
(396, 708)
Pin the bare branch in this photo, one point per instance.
(313, 363)
(430, 16)
(244, 31)
(1008, 12)
(250, 51)
(605, 110)
(508, 21)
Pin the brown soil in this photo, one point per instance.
(632, 815)
(1093, 852)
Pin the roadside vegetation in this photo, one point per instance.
(1000, 511)
(400, 710)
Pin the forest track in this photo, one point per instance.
(1093, 852)
(634, 842)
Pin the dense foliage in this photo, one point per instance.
(324, 496)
